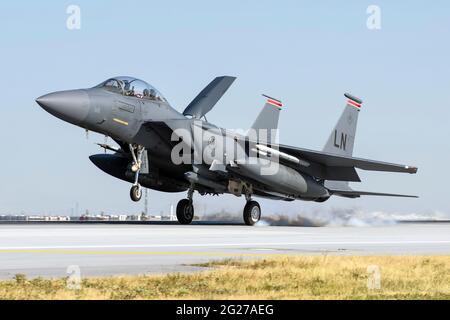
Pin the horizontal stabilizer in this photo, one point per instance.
(357, 194)
(335, 161)
(208, 98)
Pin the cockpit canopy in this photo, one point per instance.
(132, 87)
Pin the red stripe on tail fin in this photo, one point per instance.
(354, 104)
(273, 101)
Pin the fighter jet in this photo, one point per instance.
(165, 150)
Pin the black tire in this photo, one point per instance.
(322, 200)
(185, 212)
(252, 213)
(136, 193)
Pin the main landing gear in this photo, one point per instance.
(252, 211)
(136, 189)
(185, 208)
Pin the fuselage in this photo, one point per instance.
(164, 150)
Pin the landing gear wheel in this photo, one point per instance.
(136, 193)
(136, 153)
(252, 213)
(185, 211)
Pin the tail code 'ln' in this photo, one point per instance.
(342, 138)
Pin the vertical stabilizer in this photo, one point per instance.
(342, 138)
(266, 124)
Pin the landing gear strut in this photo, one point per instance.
(185, 208)
(136, 189)
(252, 211)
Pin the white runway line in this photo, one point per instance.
(203, 245)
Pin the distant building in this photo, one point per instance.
(13, 218)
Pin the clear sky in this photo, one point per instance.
(307, 53)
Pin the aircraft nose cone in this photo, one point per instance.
(72, 106)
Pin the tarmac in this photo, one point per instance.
(54, 250)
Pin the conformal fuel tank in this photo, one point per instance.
(281, 178)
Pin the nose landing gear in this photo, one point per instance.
(136, 189)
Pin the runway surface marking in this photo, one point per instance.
(199, 245)
(156, 253)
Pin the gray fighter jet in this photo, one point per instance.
(162, 149)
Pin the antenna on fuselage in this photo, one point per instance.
(106, 142)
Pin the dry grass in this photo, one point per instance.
(320, 277)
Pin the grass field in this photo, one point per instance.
(319, 277)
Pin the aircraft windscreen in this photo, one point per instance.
(133, 87)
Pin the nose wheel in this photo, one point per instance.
(136, 189)
(136, 193)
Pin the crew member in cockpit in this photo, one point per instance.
(152, 94)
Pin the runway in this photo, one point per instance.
(48, 250)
